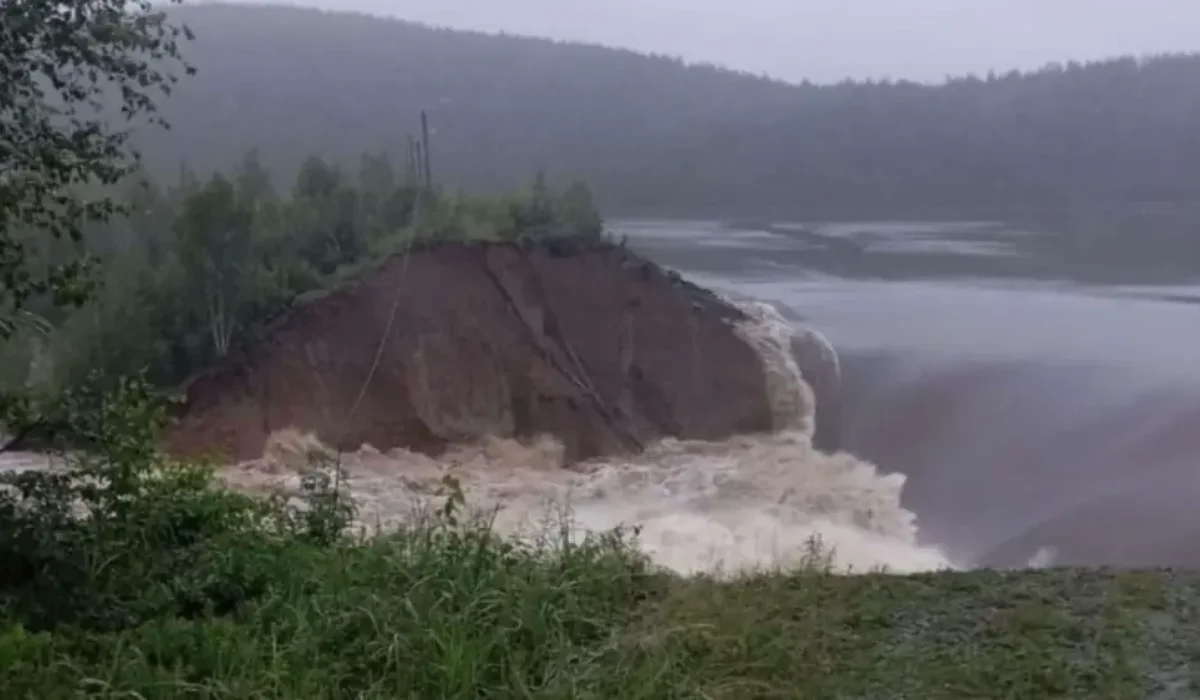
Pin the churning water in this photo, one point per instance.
(750, 502)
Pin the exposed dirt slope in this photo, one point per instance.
(586, 342)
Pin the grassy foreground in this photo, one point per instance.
(458, 616)
(171, 586)
(450, 612)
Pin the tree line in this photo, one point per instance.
(193, 266)
(654, 135)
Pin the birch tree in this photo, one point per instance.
(217, 251)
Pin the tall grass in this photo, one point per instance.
(133, 575)
(420, 614)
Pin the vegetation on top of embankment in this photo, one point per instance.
(195, 268)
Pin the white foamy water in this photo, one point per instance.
(744, 503)
(749, 502)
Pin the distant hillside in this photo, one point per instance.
(657, 136)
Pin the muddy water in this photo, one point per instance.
(1030, 407)
(719, 507)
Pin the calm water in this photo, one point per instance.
(1033, 399)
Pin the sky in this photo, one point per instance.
(828, 40)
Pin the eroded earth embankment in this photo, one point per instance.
(584, 342)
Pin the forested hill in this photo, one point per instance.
(656, 136)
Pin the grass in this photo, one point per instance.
(424, 615)
(1058, 633)
(454, 613)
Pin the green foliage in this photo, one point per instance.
(60, 67)
(196, 266)
(66, 73)
(446, 616)
(97, 543)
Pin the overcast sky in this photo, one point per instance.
(825, 40)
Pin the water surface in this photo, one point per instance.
(1032, 399)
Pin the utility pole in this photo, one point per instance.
(419, 192)
(425, 149)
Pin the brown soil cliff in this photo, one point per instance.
(583, 341)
